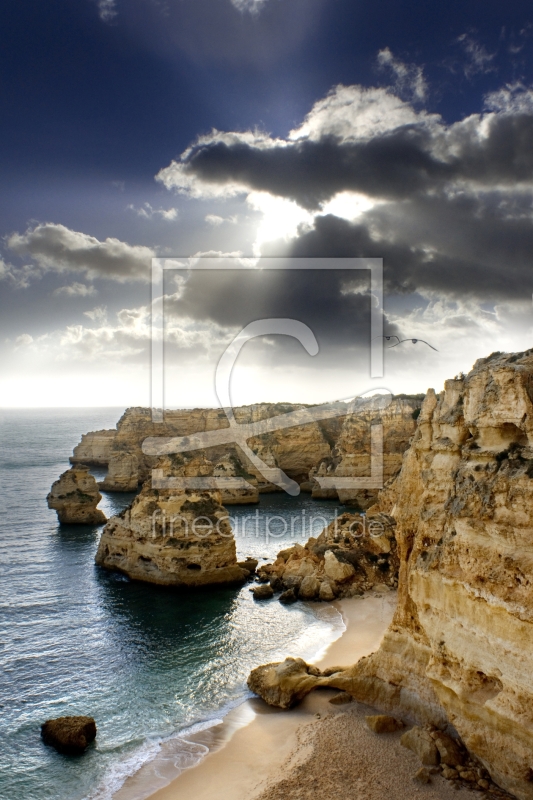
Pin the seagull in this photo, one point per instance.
(388, 338)
(414, 341)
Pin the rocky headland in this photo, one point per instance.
(339, 446)
(295, 450)
(94, 449)
(457, 657)
(74, 496)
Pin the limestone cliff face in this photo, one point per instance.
(295, 450)
(351, 456)
(173, 537)
(460, 648)
(230, 467)
(75, 496)
(94, 448)
(340, 445)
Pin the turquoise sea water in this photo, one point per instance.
(148, 663)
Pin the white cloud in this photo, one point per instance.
(19, 277)
(514, 98)
(353, 113)
(123, 339)
(215, 220)
(479, 59)
(107, 10)
(56, 248)
(76, 290)
(98, 314)
(146, 211)
(253, 6)
(23, 340)
(409, 78)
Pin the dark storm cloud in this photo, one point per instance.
(395, 164)
(455, 210)
(310, 172)
(411, 268)
(482, 243)
(334, 303)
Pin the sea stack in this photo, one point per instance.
(75, 496)
(173, 536)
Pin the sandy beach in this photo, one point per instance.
(316, 749)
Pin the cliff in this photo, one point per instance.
(459, 648)
(458, 654)
(75, 496)
(340, 445)
(94, 448)
(295, 450)
(351, 456)
(175, 537)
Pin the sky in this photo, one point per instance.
(254, 129)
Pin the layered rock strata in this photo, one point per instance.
(304, 452)
(74, 496)
(295, 450)
(459, 649)
(350, 556)
(231, 467)
(173, 536)
(458, 654)
(94, 448)
(351, 456)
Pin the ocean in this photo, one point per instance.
(148, 663)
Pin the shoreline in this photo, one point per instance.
(244, 751)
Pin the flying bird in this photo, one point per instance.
(414, 341)
(388, 338)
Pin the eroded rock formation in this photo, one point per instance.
(173, 536)
(460, 647)
(458, 654)
(339, 445)
(94, 448)
(350, 556)
(351, 455)
(295, 450)
(75, 496)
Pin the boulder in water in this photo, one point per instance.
(69, 735)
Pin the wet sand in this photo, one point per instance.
(248, 750)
